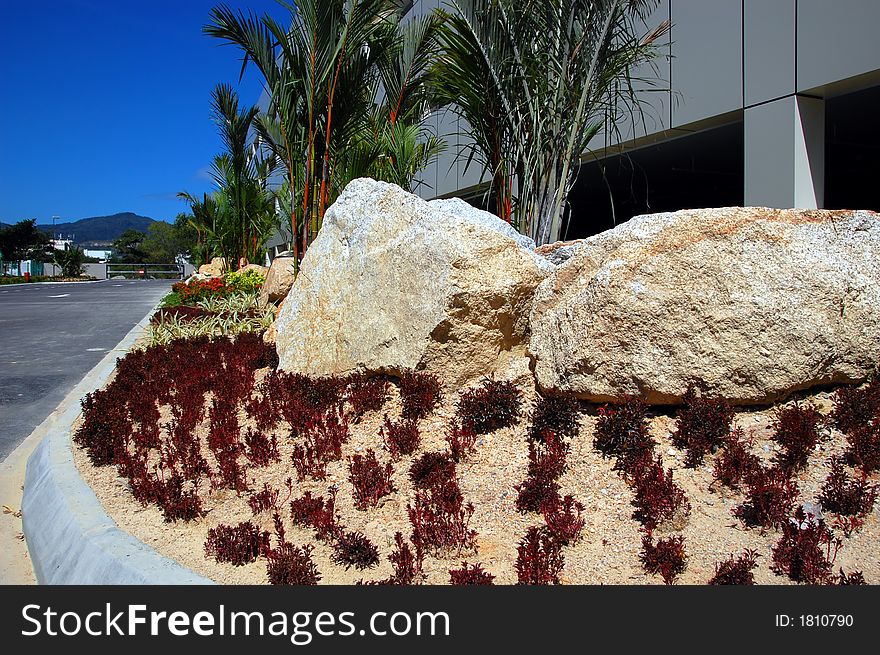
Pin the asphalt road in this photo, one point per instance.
(51, 335)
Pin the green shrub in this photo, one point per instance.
(247, 281)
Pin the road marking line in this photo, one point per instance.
(95, 350)
(63, 295)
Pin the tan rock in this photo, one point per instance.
(279, 279)
(215, 269)
(262, 270)
(393, 282)
(755, 303)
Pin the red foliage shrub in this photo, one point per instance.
(855, 578)
(667, 557)
(534, 492)
(845, 495)
(401, 437)
(470, 574)
(237, 545)
(365, 393)
(856, 408)
(323, 437)
(557, 414)
(419, 394)
(770, 495)
(657, 498)
(291, 565)
(260, 449)
(492, 405)
(105, 426)
(317, 513)
(461, 440)
(564, 518)
(736, 463)
(806, 550)
(797, 431)
(864, 447)
(736, 570)
(354, 549)
(702, 425)
(370, 479)
(440, 519)
(622, 432)
(406, 565)
(547, 457)
(539, 559)
(433, 468)
(176, 502)
(196, 290)
(263, 500)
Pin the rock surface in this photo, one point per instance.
(279, 279)
(753, 302)
(393, 282)
(262, 270)
(215, 269)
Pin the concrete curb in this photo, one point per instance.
(70, 537)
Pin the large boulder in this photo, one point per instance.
(393, 282)
(216, 268)
(262, 270)
(279, 279)
(754, 303)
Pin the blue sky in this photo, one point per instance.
(105, 104)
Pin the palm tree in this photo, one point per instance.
(342, 75)
(536, 80)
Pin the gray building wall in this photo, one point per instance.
(769, 64)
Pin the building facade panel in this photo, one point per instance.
(769, 53)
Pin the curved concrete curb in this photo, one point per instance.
(70, 537)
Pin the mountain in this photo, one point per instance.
(100, 230)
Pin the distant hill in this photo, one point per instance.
(100, 230)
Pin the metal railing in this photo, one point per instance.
(145, 271)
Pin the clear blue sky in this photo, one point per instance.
(105, 104)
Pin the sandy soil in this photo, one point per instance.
(607, 554)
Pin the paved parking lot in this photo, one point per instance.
(51, 335)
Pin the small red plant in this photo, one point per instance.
(856, 578)
(237, 545)
(291, 565)
(797, 431)
(864, 447)
(769, 499)
(419, 394)
(535, 492)
(702, 425)
(260, 449)
(564, 519)
(657, 498)
(622, 432)
(470, 574)
(736, 570)
(845, 495)
(317, 513)
(263, 500)
(557, 414)
(433, 468)
(736, 463)
(806, 550)
(365, 393)
(371, 481)
(547, 463)
(667, 557)
(176, 502)
(461, 440)
(857, 407)
(354, 549)
(440, 519)
(401, 437)
(406, 565)
(492, 405)
(539, 559)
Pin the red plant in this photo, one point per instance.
(197, 290)
(317, 513)
(492, 405)
(667, 557)
(534, 492)
(557, 414)
(658, 499)
(736, 570)
(370, 479)
(736, 463)
(263, 500)
(470, 574)
(461, 440)
(702, 425)
(806, 550)
(432, 469)
(856, 408)
(354, 549)
(547, 457)
(407, 566)
(855, 578)
(291, 565)
(260, 448)
(797, 431)
(770, 495)
(564, 519)
(539, 559)
(419, 394)
(323, 437)
(365, 393)
(402, 437)
(105, 426)
(864, 447)
(177, 503)
(440, 519)
(237, 545)
(622, 432)
(848, 496)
